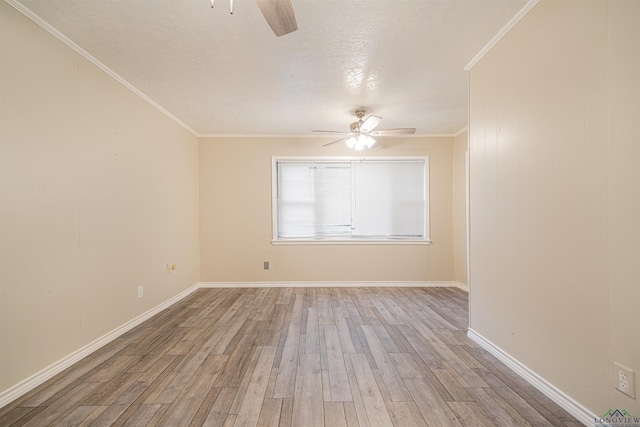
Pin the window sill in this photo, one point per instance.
(349, 242)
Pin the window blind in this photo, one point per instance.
(351, 199)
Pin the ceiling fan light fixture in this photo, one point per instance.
(360, 141)
(370, 141)
(365, 141)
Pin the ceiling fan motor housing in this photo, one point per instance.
(355, 126)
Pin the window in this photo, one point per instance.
(352, 200)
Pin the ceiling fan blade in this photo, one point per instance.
(389, 132)
(279, 15)
(330, 132)
(370, 123)
(335, 142)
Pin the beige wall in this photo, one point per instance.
(460, 147)
(624, 191)
(555, 197)
(98, 191)
(236, 227)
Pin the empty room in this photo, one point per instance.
(319, 213)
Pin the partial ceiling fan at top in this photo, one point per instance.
(362, 132)
(278, 13)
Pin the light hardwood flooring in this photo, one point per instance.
(293, 357)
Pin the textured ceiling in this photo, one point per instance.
(229, 74)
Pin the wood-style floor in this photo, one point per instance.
(293, 357)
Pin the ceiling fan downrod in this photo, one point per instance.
(230, 5)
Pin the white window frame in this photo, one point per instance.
(345, 240)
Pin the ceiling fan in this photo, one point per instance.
(278, 13)
(362, 132)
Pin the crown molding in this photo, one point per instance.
(64, 39)
(527, 7)
(313, 136)
(464, 129)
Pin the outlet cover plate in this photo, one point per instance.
(624, 380)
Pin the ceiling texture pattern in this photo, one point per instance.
(223, 74)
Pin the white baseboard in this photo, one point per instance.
(581, 413)
(357, 284)
(9, 395)
(462, 286)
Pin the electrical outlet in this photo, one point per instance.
(266, 265)
(624, 380)
(140, 292)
